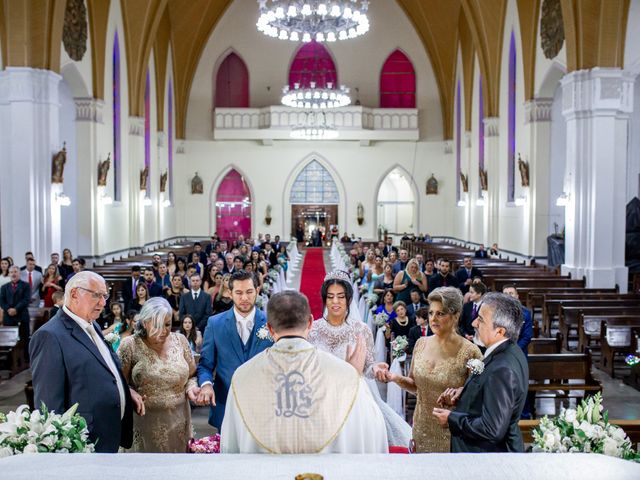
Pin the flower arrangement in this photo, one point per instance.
(263, 334)
(585, 429)
(260, 302)
(381, 319)
(371, 299)
(399, 346)
(111, 338)
(475, 366)
(42, 431)
(273, 274)
(209, 444)
(632, 360)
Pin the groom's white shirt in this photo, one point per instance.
(350, 422)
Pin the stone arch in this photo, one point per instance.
(414, 189)
(224, 57)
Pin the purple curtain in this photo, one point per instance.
(397, 82)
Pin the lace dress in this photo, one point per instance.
(335, 340)
(433, 378)
(166, 425)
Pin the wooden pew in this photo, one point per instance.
(11, 349)
(630, 327)
(533, 298)
(544, 345)
(631, 428)
(540, 282)
(569, 373)
(589, 329)
(569, 315)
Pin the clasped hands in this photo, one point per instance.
(448, 398)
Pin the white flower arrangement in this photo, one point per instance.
(476, 366)
(42, 431)
(381, 319)
(399, 346)
(273, 274)
(263, 334)
(111, 338)
(585, 430)
(371, 299)
(260, 302)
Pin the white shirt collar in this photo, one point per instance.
(196, 292)
(490, 350)
(79, 320)
(249, 318)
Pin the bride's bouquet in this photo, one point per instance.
(42, 431)
(586, 430)
(399, 346)
(209, 444)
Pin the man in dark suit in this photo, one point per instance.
(481, 252)
(155, 290)
(470, 311)
(270, 255)
(230, 339)
(202, 255)
(71, 363)
(130, 285)
(29, 256)
(489, 405)
(196, 303)
(420, 329)
(526, 333)
(276, 243)
(401, 263)
(389, 247)
(415, 305)
(443, 278)
(14, 300)
(466, 274)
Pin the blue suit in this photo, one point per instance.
(526, 333)
(223, 352)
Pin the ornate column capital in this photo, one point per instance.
(491, 126)
(538, 110)
(136, 126)
(89, 109)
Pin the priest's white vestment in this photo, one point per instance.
(293, 398)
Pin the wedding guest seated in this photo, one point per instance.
(401, 324)
(163, 278)
(444, 277)
(493, 251)
(113, 318)
(429, 269)
(384, 282)
(470, 310)
(415, 305)
(481, 252)
(192, 334)
(345, 238)
(420, 329)
(142, 295)
(329, 410)
(386, 305)
(153, 288)
(159, 367)
(223, 300)
(466, 274)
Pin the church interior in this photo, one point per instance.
(132, 127)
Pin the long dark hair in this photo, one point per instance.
(193, 334)
(348, 291)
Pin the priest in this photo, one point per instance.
(293, 398)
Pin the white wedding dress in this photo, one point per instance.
(335, 340)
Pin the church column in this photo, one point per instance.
(471, 199)
(136, 195)
(161, 168)
(492, 166)
(538, 120)
(29, 135)
(597, 105)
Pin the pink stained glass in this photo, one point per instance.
(232, 83)
(313, 63)
(233, 207)
(397, 82)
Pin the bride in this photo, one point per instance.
(352, 341)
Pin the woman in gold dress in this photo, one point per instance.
(439, 361)
(159, 366)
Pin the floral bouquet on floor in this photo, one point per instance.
(585, 430)
(42, 431)
(209, 444)
(381, 319)
(399, 346)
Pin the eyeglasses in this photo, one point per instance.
(96, 295)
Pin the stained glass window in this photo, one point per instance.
(314, 185)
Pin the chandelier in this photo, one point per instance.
(314, 98)
(319, 20)
(315, 127)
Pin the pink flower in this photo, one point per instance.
(209, 444)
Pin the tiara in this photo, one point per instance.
(338, 275)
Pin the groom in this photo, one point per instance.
(230, 339)
(491, 401)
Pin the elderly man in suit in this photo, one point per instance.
(71, 363)
(14, 301)
(230, 339)
(196, 303)
(489, 405)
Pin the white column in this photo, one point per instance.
(538, 120)
(597, 104)
(492, 165)
(136, 196)
(465, 164)
(29, 137)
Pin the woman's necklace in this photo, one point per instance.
(402, 324)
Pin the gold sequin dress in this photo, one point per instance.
(433, 378)
(166, 425)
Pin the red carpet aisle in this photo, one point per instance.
(313, 273)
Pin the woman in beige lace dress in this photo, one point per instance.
(159, 366)
(439, 361)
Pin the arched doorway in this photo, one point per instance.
(233, 207)
(314, 202)
(232, 83)
(396, 203)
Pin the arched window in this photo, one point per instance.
(147, 131)
(170, 142)
(233, 207)
(458, 140)
(511, 121)
(232, 83)
(397, 82)
(312, 63)
(116, 120)
(396, 203)
(480, 132)
(314, 185)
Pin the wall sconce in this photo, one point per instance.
(520, 201)
(267, 215)
(62, 199)
(166, 203)
(562, 200)
(360, 214)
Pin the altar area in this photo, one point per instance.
(333, 467)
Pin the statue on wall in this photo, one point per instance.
(524, 171)
(432, 185)
(163, 182)
(57, 165)
(465, 182)
(484, 184)
(267, 215)
(196, 185)
(103, 171)
(360, 213)
(74, 30)
(551, 28)
(144, 178)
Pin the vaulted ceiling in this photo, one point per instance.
(31, 31)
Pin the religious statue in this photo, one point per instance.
(74, 29)
(196, 185)
(57, 165)
(551, 28)
(144, 177)
(163, 182)
(267, 215)
(484, 184)
(432, 185)
(465, 182)
(524, 171)
(360, 213)
(103, 170)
